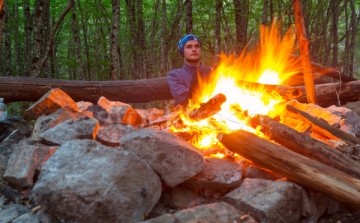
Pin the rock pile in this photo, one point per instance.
(92, 163)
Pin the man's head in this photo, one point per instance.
(190, 48)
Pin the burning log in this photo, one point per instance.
(297, 168)
(285, 92)
(307, 146)
(323, 128)
(209, 108)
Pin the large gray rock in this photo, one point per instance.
(220, 212)
(218, 174)
(173, 158)
(11, 212)
(269, 201)
(81, 128)
(24, 161)
(85, 181)
(40, 216)
(350, 121)
(44, 123)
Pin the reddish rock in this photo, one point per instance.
(50, 103)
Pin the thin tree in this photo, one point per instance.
(2, 31)
(114, 40)
(189, 16)
(76, 36)
(39, 63)
(218, 7)
(241, 23)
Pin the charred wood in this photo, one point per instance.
(295, 167)
(209, 108)
(324, 128)
(306, 145)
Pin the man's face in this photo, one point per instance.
(192, 51)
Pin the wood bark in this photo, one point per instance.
(304, 52)
(324, 128)
(114, 41)
(334, 93)
(31, 89)
(28, 23)
(77, 42)
(209, 108)
(295, 167)
(241, 21)
(189, 17)
(131, 91)
(39, 63)
(306, 145)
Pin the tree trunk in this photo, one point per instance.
(88, 74)
(132, 91)
(114, 41)
(38, 38)
(18, 61)
(189, 17)
(38, 65)
(241, 22)
(2, 33)
(77, 42)
(28, 26)
(217, 30)
(295, 167)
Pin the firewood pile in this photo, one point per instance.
(110, 162)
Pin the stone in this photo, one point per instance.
(85, 181)
(110, 135)
(43, 123)
(50, 103)
(82, 128)
(270, 201)
(209, 213)
(173, 158)
(218, 174)
(11, 212)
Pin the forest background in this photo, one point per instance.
(135, 39)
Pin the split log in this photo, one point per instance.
(295, 167)
(335, 93)
(304, 52)
(14, 89)
(306, 145)
(324, 128)
(209, 108)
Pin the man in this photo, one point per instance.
(182, 80)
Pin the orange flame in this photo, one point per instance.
(270, 62)
(1, 4)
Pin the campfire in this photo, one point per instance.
(242, 87)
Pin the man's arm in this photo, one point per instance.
(178, 88)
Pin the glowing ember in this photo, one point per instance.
(243, 80)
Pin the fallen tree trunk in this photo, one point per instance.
(335, 93)
(14, 89)
(295, 167)
(307, 146)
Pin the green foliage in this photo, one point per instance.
(94, 18)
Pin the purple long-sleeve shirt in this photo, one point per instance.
(179, 82)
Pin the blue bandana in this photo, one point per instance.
(184, 40)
